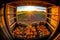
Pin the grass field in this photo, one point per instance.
(30, 17)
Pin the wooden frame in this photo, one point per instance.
(58, 36)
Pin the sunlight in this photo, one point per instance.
(29, 8)
(29, 13)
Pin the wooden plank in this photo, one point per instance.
(12, 24)
(12, 18)
(50, 26)
(57, 37)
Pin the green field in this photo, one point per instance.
(35, 16)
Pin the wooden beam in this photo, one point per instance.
(34, 3)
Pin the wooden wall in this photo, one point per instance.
(54, 17)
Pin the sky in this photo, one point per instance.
(31, 8)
